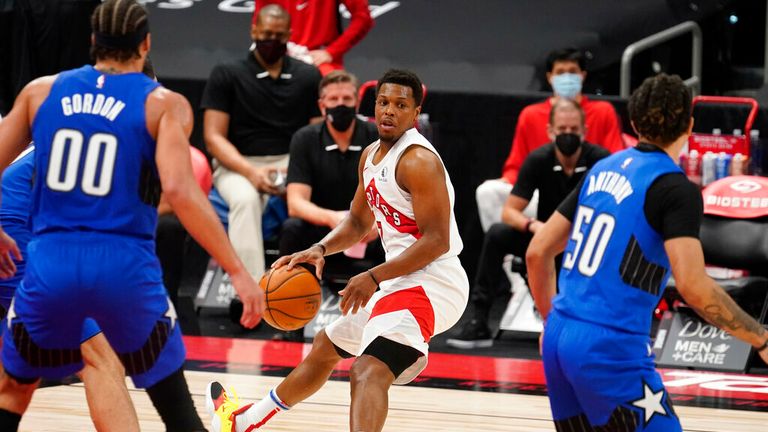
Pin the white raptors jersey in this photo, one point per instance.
(391, 205)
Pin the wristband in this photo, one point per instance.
(370, 273)
(528, 224)
(763, 346)
(322, 246)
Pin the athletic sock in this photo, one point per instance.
(9, 421)
(173, 402)
(260, 413)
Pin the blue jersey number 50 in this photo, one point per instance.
(597, 232)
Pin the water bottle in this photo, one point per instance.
(708, 168)
(756, 153)
(693, 167)
(722, 165)
(738, 164)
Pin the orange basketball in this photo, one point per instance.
(293, 297)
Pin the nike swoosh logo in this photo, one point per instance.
(301, 6)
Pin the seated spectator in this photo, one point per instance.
(566, 71)
(252, 108)
(554, 170)
(316, 30)
(323, 172)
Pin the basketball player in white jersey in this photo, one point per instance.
(391, 311)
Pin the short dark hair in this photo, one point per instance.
(336, 77)
(660, 108)
(403, 78)
(565, 104)
(566, 54)
(116, 19)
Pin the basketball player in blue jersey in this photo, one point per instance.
(170, 395)
(104, 136)
(101, 363)
(635, 219)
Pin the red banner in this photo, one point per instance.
(730, 144)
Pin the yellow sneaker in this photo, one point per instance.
(221, 408)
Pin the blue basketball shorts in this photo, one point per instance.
(114, 280)
(598, 377)
(8, 288)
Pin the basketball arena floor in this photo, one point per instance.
(496, 389)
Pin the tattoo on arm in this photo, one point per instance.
(723, 312)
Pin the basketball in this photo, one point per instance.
(292, 297)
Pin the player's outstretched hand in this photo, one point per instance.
(313, 255)
(356, 294)
(252, 297)
(8, 251)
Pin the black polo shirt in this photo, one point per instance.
(541, 170)
(316, 161)
(263, 112)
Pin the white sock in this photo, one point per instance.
(260, 412)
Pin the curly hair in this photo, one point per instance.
(404, 78)
(660, 108)
(116, 18)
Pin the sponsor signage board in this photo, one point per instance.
(685, 340)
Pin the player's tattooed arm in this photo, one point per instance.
(723, 312)
(705, 296)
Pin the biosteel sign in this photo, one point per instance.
(737, 197)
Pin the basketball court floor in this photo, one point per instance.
(457, 392)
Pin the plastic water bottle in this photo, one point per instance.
(723, 165)
(756, 153)
(738, 164)
(693, 167)
(708, 168)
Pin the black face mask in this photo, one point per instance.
(341, 117)
(271, 50)
(568, 143)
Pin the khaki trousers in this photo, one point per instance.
(246, 205)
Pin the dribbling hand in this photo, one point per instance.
(8, 251)
(356, 294)
(252, 297)
(313, 255)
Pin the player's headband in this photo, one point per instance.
(126, 41)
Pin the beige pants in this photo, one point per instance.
(246, 205)
(491, 196)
